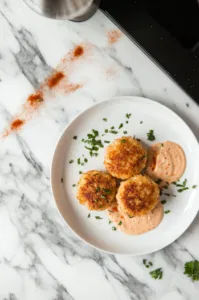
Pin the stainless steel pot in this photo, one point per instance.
(74, 10)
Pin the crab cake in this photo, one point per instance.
(137, 196)
(96, 190)
(125, 157)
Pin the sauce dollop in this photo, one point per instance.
(137, 225)
(166, 161)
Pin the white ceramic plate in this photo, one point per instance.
(167, 126)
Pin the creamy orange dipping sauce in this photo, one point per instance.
(166, 161)
(137, 225)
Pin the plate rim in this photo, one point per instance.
(131, 98)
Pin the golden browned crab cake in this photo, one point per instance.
(96, 190)
(125, 157)
(138, 195)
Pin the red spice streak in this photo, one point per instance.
(35, 98)
(55, 79)
(114, 36)
(71, 87)
(16, 124)
(78, 51)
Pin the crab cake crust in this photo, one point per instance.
(138, 195)
(125, 157)
(96, 190)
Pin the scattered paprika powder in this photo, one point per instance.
(78, 51)
(35, 98)
(114, 36)
(55, 79)
(16, 124)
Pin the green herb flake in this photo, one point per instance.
(114, 228)
(166, 194)
(103, 197)
(157, 274)
(74, 185)
(106, 142)
(125, 132)
(71, 161)
(89, 215)
(106, 130)
(150, 263)
(83, 140)
(97, 189)
(144, 261)
(120, 223)
(162, 145)
(182, 190)
(167, 211)
(123, 141)
(121, 125)
(110, 222)
(127, 122)
(79, 161)
(191, 269)
(80, 172)
(75, 137)
(85, 160)
(105, 119)
(150, 135)
(128, 116)
(194, 186)
(107, 191)
(164, 201)
(112, 127)
(98, 218)
(113, 131)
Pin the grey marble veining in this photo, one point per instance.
(40, 258)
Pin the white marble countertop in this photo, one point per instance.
(39, 257)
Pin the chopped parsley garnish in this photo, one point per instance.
(110, 222)
(89, 215)
(164, 201)
(125, 132)
(194, 186)
(123, 141)
(147, 264)
(191, 269)
(78, 161)
(127, 122)
(98, 218)
(105, 119)
(182, 190)
(106, 130)
(93, 142)
(114, 228)
(85, 160)
(156, 274)
(120, 223)
(107, 142)
(74, 185)
(83, 140)
(112, 127)
(121, 125)
(162, 145)
(167, 211)
(71, 161)
(150, 135)
(141, 122)
(75, 137)
(107, 191)
(97, 189)
(113, 131)
(128, 116)
(80, 172)
(166, 194)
